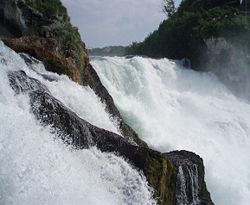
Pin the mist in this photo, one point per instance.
(230, 62)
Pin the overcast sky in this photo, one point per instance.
(114, 22)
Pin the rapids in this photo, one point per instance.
(171, 108)
(37, 168)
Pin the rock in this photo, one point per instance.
(45, 49)
(159, 171)
(190, 184)
(11, 18)
(186, 62)
(45, 32)
(176, 177)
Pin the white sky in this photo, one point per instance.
(114, 22)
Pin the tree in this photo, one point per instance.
(169, 7)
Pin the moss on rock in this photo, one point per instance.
(50, 37)
(46, 51)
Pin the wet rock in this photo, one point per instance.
(26, 26)
(11, 18)
(46, 50)
(190, 184)
(159, 171)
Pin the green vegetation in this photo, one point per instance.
(49, 19)
(48, 8)
(183, 34)
(108, 51)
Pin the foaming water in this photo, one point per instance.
(36, 168)
(80, 99)
(175, 108)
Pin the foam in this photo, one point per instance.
(37, 168)
(174, 108)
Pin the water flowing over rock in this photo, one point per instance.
(42, 30)
(75, 131)
(190, 185)
(171, 108)
(50, 37)
(50, 111)
(101, 91)
(36, 166)
(161, 174)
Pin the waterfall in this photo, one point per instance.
(174, 108)
(187, 182)
(36, 167)
(181, 195)
(193, 175)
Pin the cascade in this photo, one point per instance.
(36, 167)
(174, 108)
(181, 186)
(187, 181)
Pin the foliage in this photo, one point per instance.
(50, 20)
(49, 7)
(183, 34)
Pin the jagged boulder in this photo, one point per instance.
(47, 51)
(190, 184)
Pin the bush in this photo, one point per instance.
(49, 7)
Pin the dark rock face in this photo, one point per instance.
(43, 29)
(159, 171)
(46, 50)
(11, 18)
(190, 184)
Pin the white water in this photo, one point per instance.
(36, 168)
(182, 196)
(175, 108)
